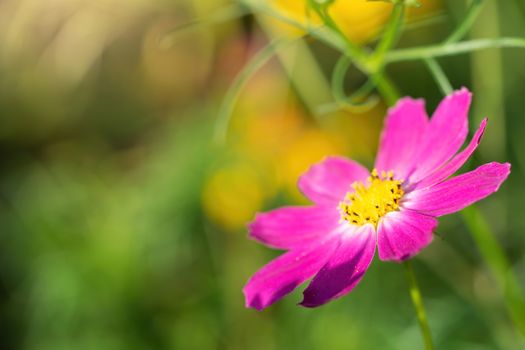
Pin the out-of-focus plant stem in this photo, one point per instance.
(336, 39)
(391, 35)
(371, 64)
(355, 100)
(439, 76)
(459, 33)
(417, 300)
(441, 50)
(467, 22)
(352, 50)
(228, 103)
(490, 249)
(498, 263)
(224, 14)
(309, 82)
(488, 85)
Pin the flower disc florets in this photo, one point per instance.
(366, 204)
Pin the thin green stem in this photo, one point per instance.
(452, 49)
(228, 103)
(459, 33)
(355, 100)
(439, 76)
(362, 60)
(391, 34)
(386, 88)
(467, 22)
(337, 40)
(320, 33)
(417, 300)
(224, 14)
(499, 265)
(489, 247)
(351, 49)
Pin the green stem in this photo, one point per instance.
(467, 22)
(373, 67)
(337, 40)
(228, 103)
(355, 100)
(390, 35)
(386, 88)
(417, 300)
(498, 263)
(439, 76)
(452, 49)
(485, 240)
(320, 33)
(352, 50)
(224, 14)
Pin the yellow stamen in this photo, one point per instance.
(367, 204)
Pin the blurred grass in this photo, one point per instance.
(122, 224)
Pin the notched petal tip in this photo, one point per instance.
(481, 130)
(282, 275)
(499, 170)
(305, 304)
(460, 191)
(496, 169)
(254, 303)
(403, 102)
(462, 91)
(462, 97)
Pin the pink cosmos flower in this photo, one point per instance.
(394, 207)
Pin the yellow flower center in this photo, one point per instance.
(366, 204)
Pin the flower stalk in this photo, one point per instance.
(372, 63)
(417, 301)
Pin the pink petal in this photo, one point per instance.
(456, 162)
(404, 129)
(446, 133)
(284, 274)
(329, 180)
(344, 269)
(402, 234)
(291, 227)
(458, 192)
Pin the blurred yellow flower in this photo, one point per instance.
(360, 20)
(233, 194)
(272, 141)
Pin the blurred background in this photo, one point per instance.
(123, 224)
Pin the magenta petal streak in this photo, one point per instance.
(344, 269)
(445, 134)
(458, 192)
(402, 234)
(285, 273)
(456, 162)
(405, 127)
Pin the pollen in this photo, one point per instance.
(367, 202)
